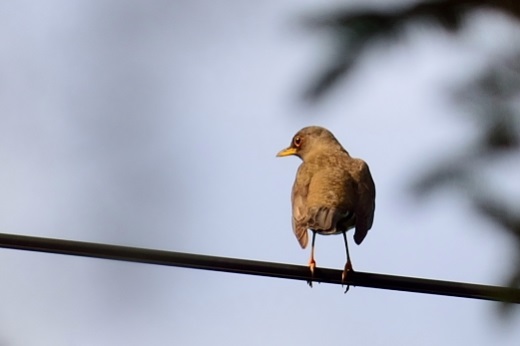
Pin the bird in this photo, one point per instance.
(332, 193)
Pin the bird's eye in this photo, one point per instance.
(297, 141)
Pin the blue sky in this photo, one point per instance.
(157, 124)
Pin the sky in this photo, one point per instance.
(156, 124)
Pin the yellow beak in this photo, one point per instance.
(287, 152)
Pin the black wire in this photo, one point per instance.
(241, 266)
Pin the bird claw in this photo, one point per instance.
(348, 268)
(312, 266)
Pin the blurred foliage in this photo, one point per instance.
(494, 96)
(356, 29)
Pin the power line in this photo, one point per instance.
(241, 266)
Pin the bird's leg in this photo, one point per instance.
(312, 262)
(348, 265)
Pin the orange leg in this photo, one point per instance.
(348, 265)
(312, 262)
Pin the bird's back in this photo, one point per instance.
(338, 195)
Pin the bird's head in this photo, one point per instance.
(311, 140)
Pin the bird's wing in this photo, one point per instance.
(299, 196)
(299, 219)
(366, 201)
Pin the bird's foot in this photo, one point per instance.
(348, 268)
(312, 266)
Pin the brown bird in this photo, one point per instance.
(333, 192)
